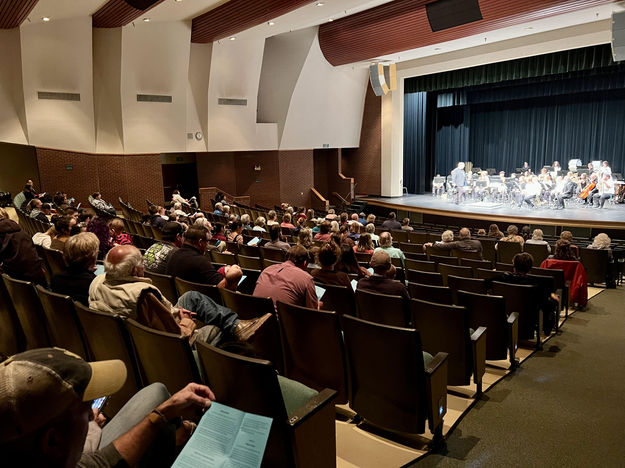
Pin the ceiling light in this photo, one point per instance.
(232, 38)
(146, 20)
(45, 18)
(177, 1)
(330, 20)
(271, 23)
(319, 3)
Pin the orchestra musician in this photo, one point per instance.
(555, 169)
(531, 190)
(568, 190)
(605, 169)
(459, 179)
(606, 190)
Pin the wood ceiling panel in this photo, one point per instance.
(117, 13)
(14, 12)
(238, 15)
(403, 25)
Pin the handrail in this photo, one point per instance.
(209, 193)
(319, 198)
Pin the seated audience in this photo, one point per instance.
(465, 244)
(272, 218)
(305, 239)
(563, 251)
(178, 210)
(348, 263)
(386, 244)
(220, 232)
(157, 216)
(99, 227)
(40, 211)
(512, 235)
(286, 221)
(381, 280)
(493, 231)
(190, 264)
(259, 224)
(177, 198)
(219, 209)
(354, 231)
(481, 232)
(118, 291)
(158, 254)
(371, 219)
(568, 236)
(602, 242)
(327, 257)
(391, 223)
(44, 239)
(365, 244)
(526, 232)
(289, 282)
(100, 204)
(276, 241)
(537, 239)
(81, 253)
(331, 216)
(246, 221)
(324, 232)
(343, 218)
(370, 229)
(18, 257)
(118, 236)
(354, 219)
(345, 239)
(446, 237)
(236, 232)
(405, 225)
(63, 227)
(362, 219)
(48, 426)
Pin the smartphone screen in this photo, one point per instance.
(99, 403)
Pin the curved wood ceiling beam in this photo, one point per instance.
(14, 12)
(117, 13)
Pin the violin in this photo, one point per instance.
(589, 188)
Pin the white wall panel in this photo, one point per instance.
(56, 56)
(155, 60)
(235, 73)
(197, 95)
(107, 52)
(12, 113)
(326, 106)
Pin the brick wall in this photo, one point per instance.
(296, 176)
(132, 177)
(262, 186)
(217, 170)
(364, 163)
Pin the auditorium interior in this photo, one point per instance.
(358, 107)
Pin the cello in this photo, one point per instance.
(589, 188)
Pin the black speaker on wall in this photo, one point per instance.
(618, 36)
(141, 4)
(445, 14)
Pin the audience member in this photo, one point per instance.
(405, 225)
(391, 223)
(289, 282)
(481, 232)
(63, 227)
(381, 280)
(327, 257)
(465, 244)
(40, 211)
(305, 238)
(81, 254)
(354, 219)
(446, 237)
(537, 239)
(343, 218)
(220, 233)
(365, 244)
(348, 263)
(18, 257)
(119, 290)
(512, 235)
(568, 236)
(236, 232)
(100, 204)
(276, 241)
(345, 239)
(324, 232)
(371, 219)
(370, 229)
(331, 216)
(272, 218)
(157, 255)
(354, 231)
(118, 236)
(99, 227)
(563, 251)
(362, 219)
(286, 221)
(386, 244)
(219, 209)
(177, 198)
(603, 242)
(246, 221)
(44, 239)
(526, 232)
(259, 224)
(493, 231)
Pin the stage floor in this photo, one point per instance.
(612, 216)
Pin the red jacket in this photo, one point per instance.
(574, 276)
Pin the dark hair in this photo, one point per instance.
(328, 255)
(348, 262)
(324, 227)
(62, 225)
(46, 206)
(171, 230)
(69, 211)
(235, 225)
(563, 250)
(274, 232)
(152, 209)
(195, 234)
(95, 194)
(218, 228)
(391, 215)
(526, 233)
(523, 262)
(297, 254)
(343, 217)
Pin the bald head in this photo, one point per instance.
(465, 233)
(123, 261)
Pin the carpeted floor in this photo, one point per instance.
(563, 407)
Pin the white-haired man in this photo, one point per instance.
(119, 290)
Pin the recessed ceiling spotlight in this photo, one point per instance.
(146, 20)
(232, 38)
(271, 23)
(320, 3)
(45, 19)
(331, 19)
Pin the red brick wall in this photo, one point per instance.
(262, 186)
(217, 170)
(296, 176)
(364, 163)
(132, 177)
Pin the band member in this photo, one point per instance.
(459, 179)
(606, 190)
(605, 170)
(531, 191)
(568, 190)
(556, 168)
(438, 187)
(594, 189)
(526, 168)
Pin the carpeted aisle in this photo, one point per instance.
(565, 406)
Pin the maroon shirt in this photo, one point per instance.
(287, 283)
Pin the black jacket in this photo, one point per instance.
(73, 283)
(18, 256)
(189, 264)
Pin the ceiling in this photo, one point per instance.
(350, 30)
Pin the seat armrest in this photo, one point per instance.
(315, 404)
(436, 389)
(513, 335)
(478, 343)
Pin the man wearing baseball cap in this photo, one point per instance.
(45, 409)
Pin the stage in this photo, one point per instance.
(576, 214)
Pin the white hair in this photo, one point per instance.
(602, 241)
(124, 268)
(537, 234)
(245, 218)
